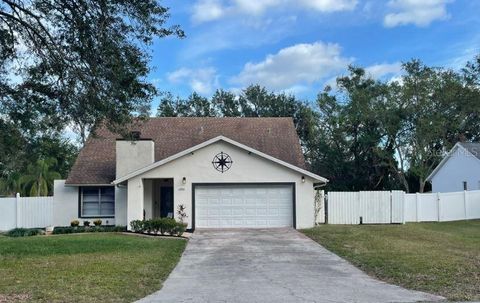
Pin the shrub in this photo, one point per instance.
(147, 226)
(74, 223)
(63, 230)
(137, 226)
(82, 229)
(179, 229)
(118, 229)
(156, 225)
(24, 232)
(162, 225)
(97, 222)
(168, 225)
(86, 223)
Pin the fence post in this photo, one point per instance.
(438, 207)
(465, 201)
(417, 210)
(17, 210)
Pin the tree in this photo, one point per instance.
(10, 184)
(86, 61)
(357, 142)
(226, 104)
(38, 180)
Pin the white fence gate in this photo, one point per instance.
(27, 212)
(383, 207)
(368, 206)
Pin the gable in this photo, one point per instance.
(201, 163)
(276, 137)
(459, 158)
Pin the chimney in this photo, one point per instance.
(133, 153)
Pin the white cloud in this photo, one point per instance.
(202, 80)
(330, 5)
(378, 71)
(418, 12)
(293, 66)
(209, 10)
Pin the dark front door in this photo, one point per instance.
(166, 201)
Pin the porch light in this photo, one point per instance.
(303, 179)
(184, 180)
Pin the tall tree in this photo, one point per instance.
(356, 128)
(77, 62)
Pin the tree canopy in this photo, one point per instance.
(77, 63)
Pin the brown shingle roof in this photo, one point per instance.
(273, 136)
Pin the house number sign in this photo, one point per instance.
(222, 162)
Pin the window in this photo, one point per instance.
(97, 201)
(465, 187)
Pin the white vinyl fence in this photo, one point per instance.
(28, 212)
(383, 207)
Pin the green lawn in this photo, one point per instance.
(440, 258)
(105, 267)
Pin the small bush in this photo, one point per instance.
(168, 225)
(97, 222)
(159, 225)
(74, 223)
(86, 223)
(118, 229)
(80, 229)
(147, 226)
(24, 232)
(179, 229)
(137, 226)
(63, 230)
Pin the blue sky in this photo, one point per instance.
(298, 46)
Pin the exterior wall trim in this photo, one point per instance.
(294, 196)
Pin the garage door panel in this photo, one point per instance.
(254, 206)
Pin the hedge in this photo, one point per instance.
(82, 229)
(160, 225)
(24, 232)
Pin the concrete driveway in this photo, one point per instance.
(272, 265)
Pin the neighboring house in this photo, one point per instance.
(227, 172)
(459, 170)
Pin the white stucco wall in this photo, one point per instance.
(65, 206)
(197, 168)
(132, 155)
(460, 167)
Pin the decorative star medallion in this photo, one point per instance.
(222, 162)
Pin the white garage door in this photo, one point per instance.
(236, 206)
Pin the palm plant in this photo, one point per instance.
(39, 178)
(10, 184)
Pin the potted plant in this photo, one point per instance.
(97, 222)
(74, 223)
(86, 223)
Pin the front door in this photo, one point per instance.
(166, 202)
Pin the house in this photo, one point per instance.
(226, 172)
(459, 170)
